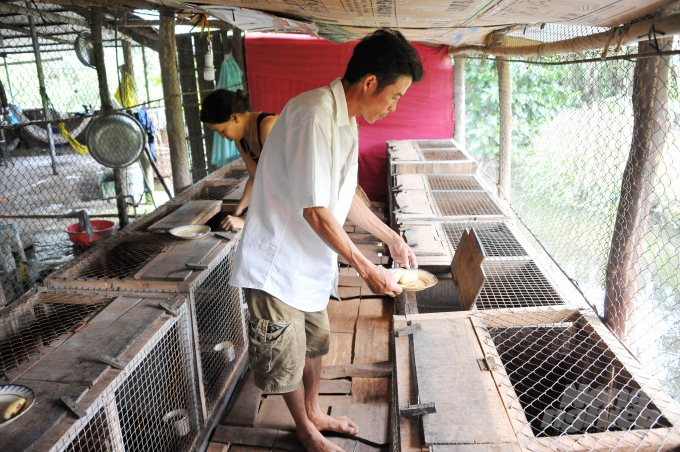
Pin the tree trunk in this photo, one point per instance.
(651, 125)
(459, 99)
(505, 104)
(177, 142)
(187, 78)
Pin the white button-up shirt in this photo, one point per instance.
(310, 159)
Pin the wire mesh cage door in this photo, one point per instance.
(542, 379)
(152, 404)
(220, 332)
(567, 379)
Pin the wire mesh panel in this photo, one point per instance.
(447, 182)
(39, 320)
(435, 144)
(443, 155)
(117, 260)
(496, 237)
(566, 379)
(150, 405)
(514, 284)
(465, 204)
(595, 155)
(221, 329)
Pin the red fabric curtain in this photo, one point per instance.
(282, 66)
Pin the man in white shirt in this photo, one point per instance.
(304, 189)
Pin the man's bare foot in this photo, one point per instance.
(315, 441)
(341, 424)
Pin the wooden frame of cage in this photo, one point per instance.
(19, 319)
(404, 388)
(161, 260)
(60, 369)
(68, 277)
(423, 205)
(403, 157)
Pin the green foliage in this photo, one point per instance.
(539, 93)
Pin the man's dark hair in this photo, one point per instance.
(218, 106)
(387, 55)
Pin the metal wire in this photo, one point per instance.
(515, 284)
(38, 180)
(37, 320)
(496, 238)
(449, 182)
(463, 203)
(560, 376)
(221, 327)
(150, 405)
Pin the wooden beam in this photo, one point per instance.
(650, 128)
(40, 35)
(669, 25)
(187, 79)
(505, 104)
(459, 99)
(179, 160)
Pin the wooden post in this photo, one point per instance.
(187, 79)
(43, 93)
(459, 99)
(505, 106)
(167, 51)
(650, 128)
(204, 87)
(238, 50)
(96, 31)
(129, 68)
(98, 48)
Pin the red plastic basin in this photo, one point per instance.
(101, 229)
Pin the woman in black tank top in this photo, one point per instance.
(226, 112)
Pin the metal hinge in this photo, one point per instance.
(487, 363)
(418, 409)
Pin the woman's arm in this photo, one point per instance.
(236, 220)
(251, 166)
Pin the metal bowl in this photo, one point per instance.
(116, 140)
(425, 280)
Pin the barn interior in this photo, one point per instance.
(534, 171)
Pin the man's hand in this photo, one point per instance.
(381, 281)
(402, 254)
(231, 223)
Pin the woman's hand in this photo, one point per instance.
(402, 254)
(231, 223)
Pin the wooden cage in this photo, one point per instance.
(528, 379)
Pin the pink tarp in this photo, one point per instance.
(282, 66)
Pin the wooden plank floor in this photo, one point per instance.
(360, 334)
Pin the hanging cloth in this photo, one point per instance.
(231, 78)
(145, 121)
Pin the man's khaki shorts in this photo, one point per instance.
(281, 338)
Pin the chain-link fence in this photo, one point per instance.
(593, 160)
(50, 99)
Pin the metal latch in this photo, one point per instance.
(418, 409)
(193, 266)
(111, 361)
(487, 363)
(164, 306)
(409, 329)
(76, 409)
